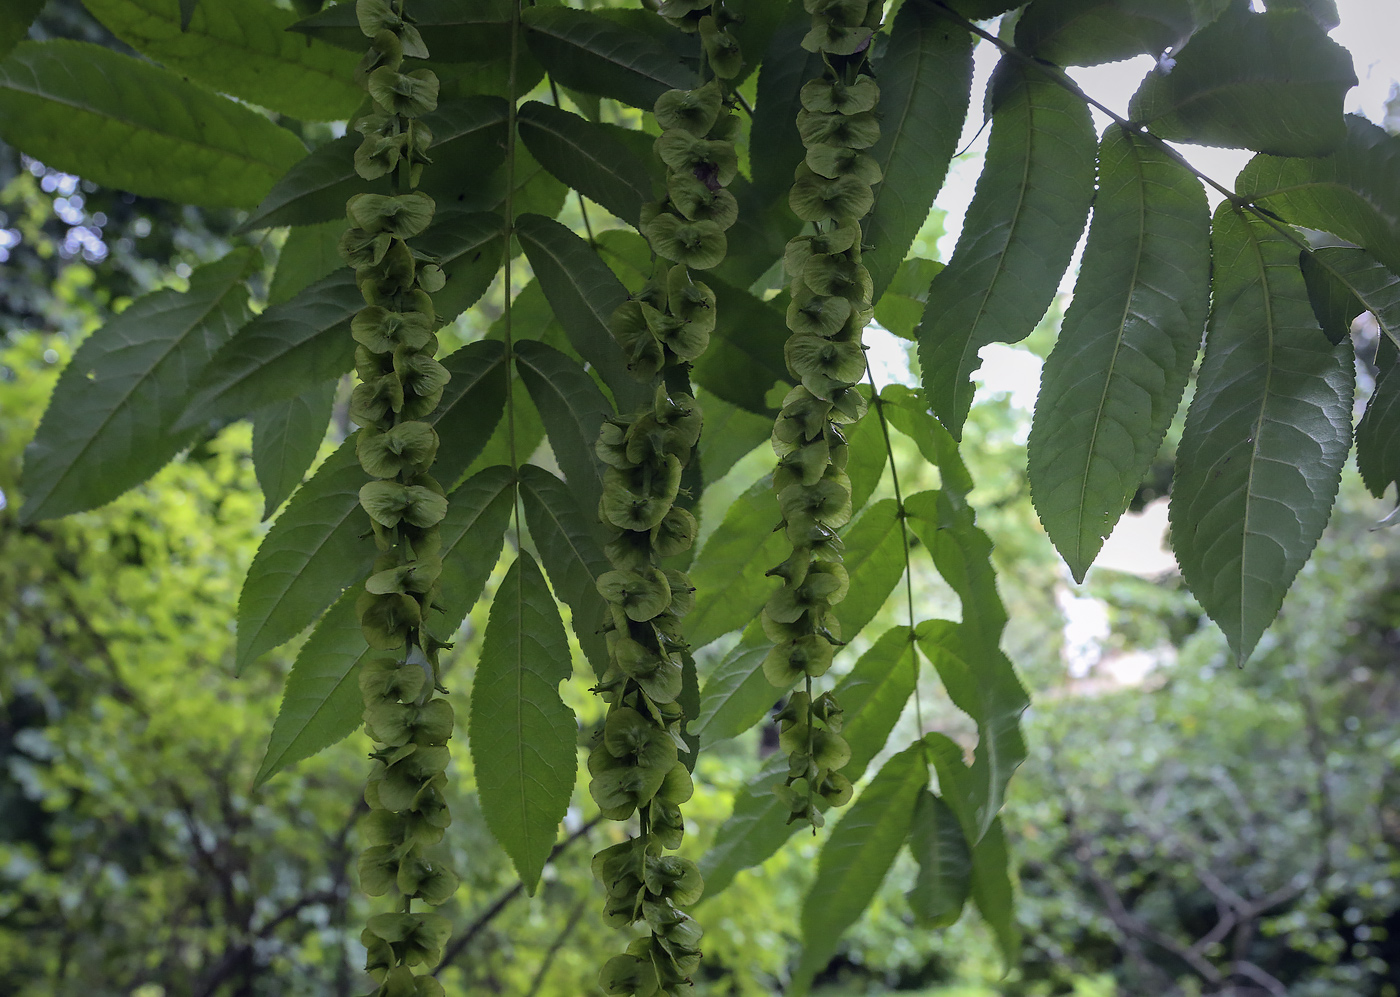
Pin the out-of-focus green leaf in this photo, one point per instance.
(992, 893)
(1378, 435)
(1019, 234)
(907, 412)
(15, 18)
(963, 555)
(598, 55)
(1115, 377)
(866, 459)
(925, 85)
(944, 882)
(600, 161)
(754, 831)
(286, 436)
(730, 433)
(1270, 81)
(855, 859)
(124, 123)
(523, 737)
(242, 48)
(1267, 432)
(873, 696)
(108, 424)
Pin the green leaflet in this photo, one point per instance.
(573, 408)
(1018, 236)
(730, 433)
(856, 857)
(322, 701)
(314, 550)
(468, 138)
(599, 161)
(308, 255)
(1368, 286)
(907, 412)
(128, 124)
(597, 55)
(1271, 81)
(874, 695)
(108, 424)
(875, 561)
(867, 458)
(1268, 430)
(983, 684)
(15, 18)
(944, 882)
(563, 535)
(522, 735)
(241, 48)
(1115, 377)
(307, 338)
(745, 356)
(583, 294)
(1352, 193)
(460, 32)
(471, 406)
(286, 436)
(962, 553)
(1092, 32)
(775, 148)
(737, 694)
(901, 307)
(992, 892)
(729, 572)
(926, 76)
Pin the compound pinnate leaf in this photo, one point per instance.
(597, 55)
(1270, 81)
(128, 124)
(583, 292)
(962, 553)
(315, 550)
(926, 84)
(1351, 193)
(600, 161)
(1019, 234)
(856, 857)
(1092, 32)
(523, 737)
(1115, 377)
(286, 436)
(1267, 432)
(242, 48)
(322, 703)
(944, 882)
(108, 424)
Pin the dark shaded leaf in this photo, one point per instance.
(573, 410)
(745, 355)
(597, 55)
(729, 579)
(600, 161)
(455, 31)
(15, 18)
(309, 254)
(1092, 32)
(737, 694)
(471, 406)
(286, 436)
(875, 561)
(944, 882)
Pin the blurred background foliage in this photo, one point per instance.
(1182, 827)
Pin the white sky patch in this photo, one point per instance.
(888, 357)
(1008, 370)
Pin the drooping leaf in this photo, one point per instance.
(866, 459)
(583, 293)
(15, 18)
(1092, 32)
(944, 883)
(1018, 236)
(855, 859)
(316, 549)
(286, 436)
(873, 696)
(874, 559)
(983, 684)
(1333, 303)
(564, 536)
(1267, 432)
(457, 32)
(992, 892)
(907, 412)
(925, 86)
(775, 147)
(1378, 434)
(597, 160)
(322, 702)
(573, 410)
(242, 48)
(597, 55)
(468, 143)
(1115, 377)
(745, 355)
(730, 584)
(472, 404)
(902, 305)
(755, 830)
(309, 254)
(124, 123)
(1352, 193)
(467, 245)
(108, 425)
(962, 553)
(1270, 81)
(737, 694)
(522, 735)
